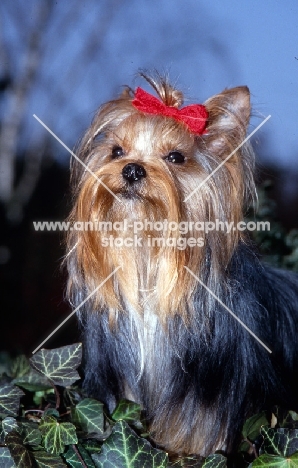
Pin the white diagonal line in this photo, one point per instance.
(225, 160)
(76, 157)
(229, 310)
(72, 313)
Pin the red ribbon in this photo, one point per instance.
(194, 116)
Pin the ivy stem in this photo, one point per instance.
(252, 446)
(57, 394)
(79, 456)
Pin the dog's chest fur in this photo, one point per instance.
(187, 379)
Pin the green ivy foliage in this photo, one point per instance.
(46, 421)
(276, 246)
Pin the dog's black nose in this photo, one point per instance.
(133, 172)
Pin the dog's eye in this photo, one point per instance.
(175, 157)
(117, 152)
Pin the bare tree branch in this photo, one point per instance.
(47, 43)
(17, 97)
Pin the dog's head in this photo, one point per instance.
(141, 166)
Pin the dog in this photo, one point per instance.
(186, 322)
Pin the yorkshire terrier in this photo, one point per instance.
(158, 330)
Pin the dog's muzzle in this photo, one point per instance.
(133, 172)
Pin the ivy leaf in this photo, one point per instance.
(10, 399)
(22, 457)
(33, 381)
(56, 435)
(46, 460)
(128, 411)
(281, 442)
(31, 433)
(39, 396)
(72, 458)
(92, 445)
(59, 364)
(88, 414)
(6, 460)
(293, 415)
(72, 395)
(8, 425)
(215, 461)
(285, 419)
(270, 461)
(19, 366)
(245, 446)
(51, 412)
(252, 426)
(124, 449)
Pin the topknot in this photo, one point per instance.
(169, 95)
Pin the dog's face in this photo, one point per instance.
(151, 167)
(149, 163)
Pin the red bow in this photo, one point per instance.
(194, 116)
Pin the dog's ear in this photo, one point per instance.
(229, 108)
(229, 114)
